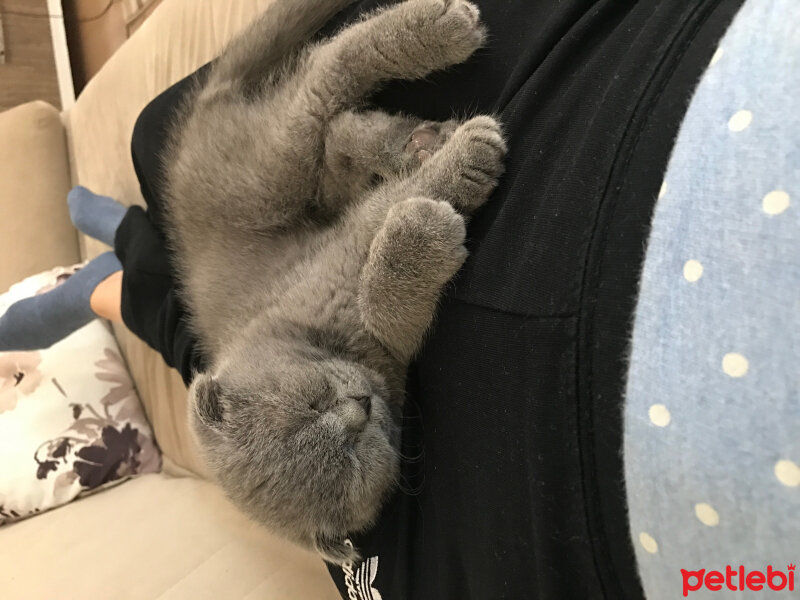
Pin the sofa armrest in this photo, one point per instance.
(35, 230)
(179, 37)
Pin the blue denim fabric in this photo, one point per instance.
(712, 416)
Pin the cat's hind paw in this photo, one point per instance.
(432, 234)
(452, 28)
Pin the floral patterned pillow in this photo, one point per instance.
(70, 419)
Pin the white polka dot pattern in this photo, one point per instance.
(648, 543)
(706, 514)
(788, 473)
(735, 365)
(659, 415)
(775, 202)
(740, 121)
(692, 270)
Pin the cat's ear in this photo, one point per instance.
(337, 551)
(208, 400)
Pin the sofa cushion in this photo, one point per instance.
(155, 537)
(70, 420)
(34, 181)
(179, 37)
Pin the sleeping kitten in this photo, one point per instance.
(313, 238)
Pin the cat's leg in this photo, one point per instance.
(284, 26)
(406, 41)
(415, 253)
(465, 171)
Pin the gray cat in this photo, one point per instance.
(313, 238)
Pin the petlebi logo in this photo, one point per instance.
(739, 579)
(360, 583)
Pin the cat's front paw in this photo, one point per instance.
(482, 147)
(467, 169)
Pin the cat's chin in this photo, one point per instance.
(378, 465)
(385, 420)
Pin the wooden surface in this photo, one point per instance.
(2, 42)
(29, 71)
(91, 40)
(135, 18)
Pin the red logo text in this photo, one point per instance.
(738, 580)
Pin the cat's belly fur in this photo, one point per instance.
(307, 277)
(321, 289)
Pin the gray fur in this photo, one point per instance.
(313, 238)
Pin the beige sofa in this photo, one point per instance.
(171, 535)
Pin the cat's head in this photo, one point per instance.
(302, 438)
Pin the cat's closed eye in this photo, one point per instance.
(319, 394)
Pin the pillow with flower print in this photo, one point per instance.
(70, 420)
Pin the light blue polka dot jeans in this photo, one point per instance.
(712, 417)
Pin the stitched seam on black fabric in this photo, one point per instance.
(597, 534)
(601, 237)
(502, 104)
(503, 311)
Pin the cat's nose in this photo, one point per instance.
(365, 402)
